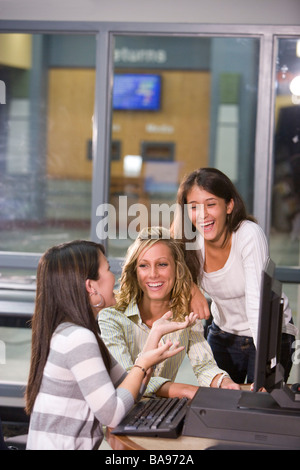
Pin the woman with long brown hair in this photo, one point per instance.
(75, 386)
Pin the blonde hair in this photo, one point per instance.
(129, 286)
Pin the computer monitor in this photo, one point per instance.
(269, 373)
(262, 419)
(268, 370)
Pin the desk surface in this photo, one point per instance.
(118, 442)
(153, 443)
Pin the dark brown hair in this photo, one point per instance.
(217, 183)
(61, 296)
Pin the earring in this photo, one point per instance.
(101, 303)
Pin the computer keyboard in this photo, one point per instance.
(155, 417)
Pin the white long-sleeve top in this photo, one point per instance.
(235, 289)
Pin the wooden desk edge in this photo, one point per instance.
(181, 443)
(117, 442)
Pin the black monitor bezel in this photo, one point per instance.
(268, 371)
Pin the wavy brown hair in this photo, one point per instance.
(61, 296)
(129, 287)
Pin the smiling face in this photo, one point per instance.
(208, 213)
(156, 272)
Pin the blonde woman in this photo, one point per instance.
(155, 280)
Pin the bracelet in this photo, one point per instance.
(220, 379)
(142, 369)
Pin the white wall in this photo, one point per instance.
(285, 12)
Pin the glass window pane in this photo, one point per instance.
(48, 90)
(285, 215)
(179, 103)
(285, 221)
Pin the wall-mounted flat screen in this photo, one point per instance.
(137, 92)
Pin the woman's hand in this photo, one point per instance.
(227, 382)
(199, 304)
(165, 324)
(262, 389)
(141, 374)
(154, 356)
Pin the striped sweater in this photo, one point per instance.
(77, 395)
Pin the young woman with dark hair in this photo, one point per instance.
(75, 386)
(226, 250)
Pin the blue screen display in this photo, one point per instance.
(136, 92)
